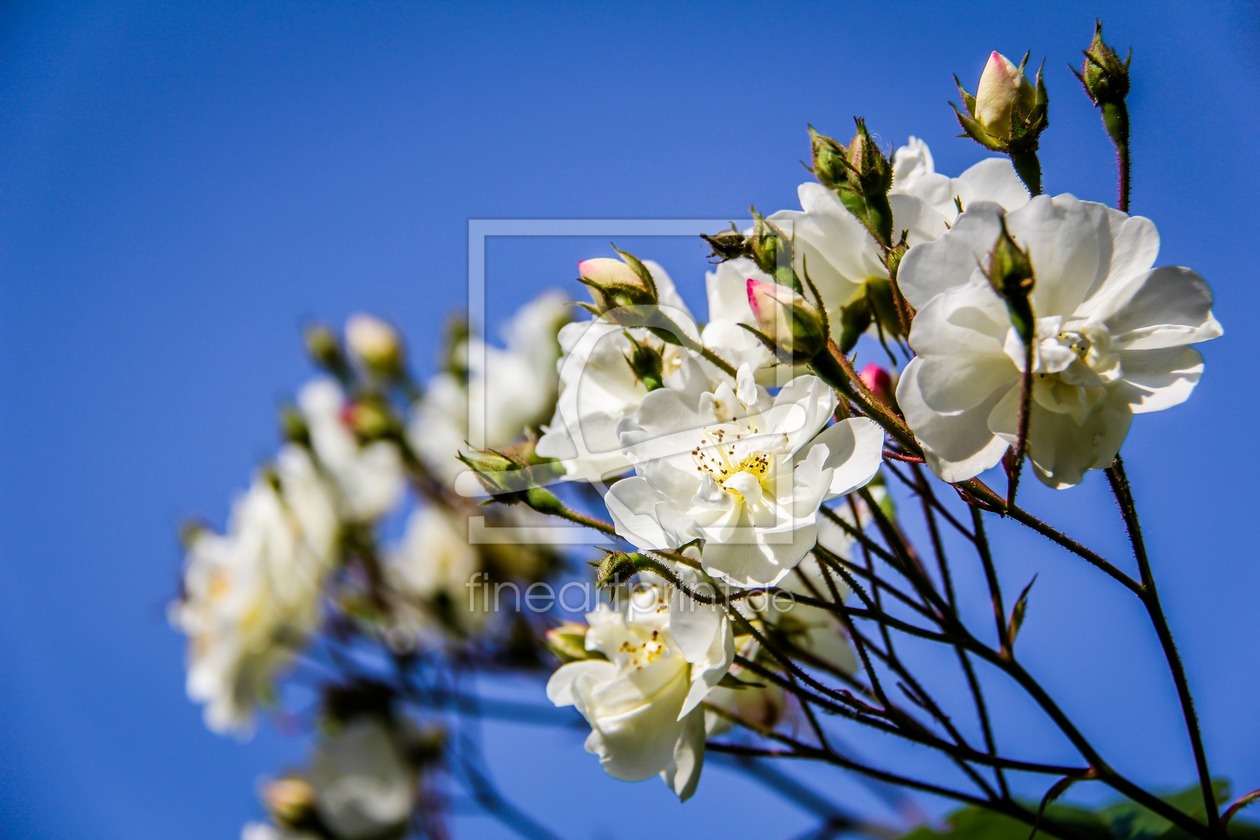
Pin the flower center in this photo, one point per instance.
(1072, 363)
(735, 456)
(644, 649)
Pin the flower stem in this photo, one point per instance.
(1028, 167)
(1121, 489)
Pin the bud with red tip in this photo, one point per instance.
(1008, 114)
(617, 283)
(787, 323)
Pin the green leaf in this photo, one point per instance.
(979, 824)
(1017, 613)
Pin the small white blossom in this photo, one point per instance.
(744, 472)
(662, 655)
(1111, 337)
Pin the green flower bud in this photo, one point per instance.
(616, 568)
(871, 168)
(568, 641)
(511, 479)
(1011, 275)
(293, 427)
(769, 247)
(646, 363)
(370, 420)
(831, 160)
(1104, 76)
(324, 349)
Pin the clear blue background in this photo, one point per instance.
(181, 188)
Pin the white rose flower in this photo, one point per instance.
(370, 477)
(663, 654)
(992, 179)
(252, 596)
(1111, 338)
(598, 388)
(364, 785)
(742, 472)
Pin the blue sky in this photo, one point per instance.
(182, 187)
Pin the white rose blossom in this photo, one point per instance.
(662, 655)
(1111, 338)
(251, 596)
(744, 472)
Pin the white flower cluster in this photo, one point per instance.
(308, 538)
(715, 456)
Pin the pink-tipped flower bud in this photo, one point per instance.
(1003, 91)
(788, 323)
(615, 283)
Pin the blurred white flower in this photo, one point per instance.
(1110, 341)
(742, 472)
(430, 570)
(365, 787)
(507, 390)
(369, 476)
(252, 596)
(663, 654)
